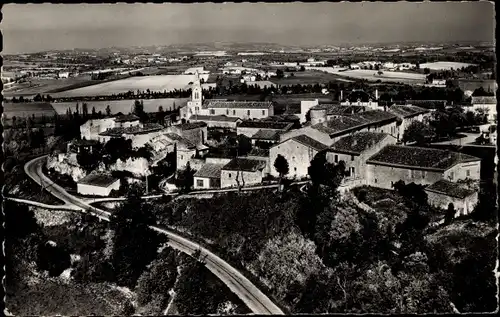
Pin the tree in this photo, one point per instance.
(417, 132)
(279, 73)
(244, 144)
(198, 292)
(53, 258)
(94, 113)
(87, 160)
(185, 178)
(108, 111)
(135, 245)
(281, 166)
(450, 214)
(85, 110)
(302, 68)
(158, 279)
(427, 71)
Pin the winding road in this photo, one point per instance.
(256, 301)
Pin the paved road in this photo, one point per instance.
(256, 301)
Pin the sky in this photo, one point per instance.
(38, 27)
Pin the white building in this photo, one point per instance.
(97, 185)
(208, 176)
(222, 107)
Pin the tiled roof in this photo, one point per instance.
(146, 128)
(239, 104)
(271, 135)
(484, 100)
(84, 142)
(243, 164)
(259, 152)
(177, 138)
(126, 118)
(191, 125)
(450, 189)
(100, 180)
(358, 142)
(419, 157)
(209, 171)
(270, 125)
(355, 121)
(406, 111)
(214, 118)
(310, 142)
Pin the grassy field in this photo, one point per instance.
(444, 65)
(153, 83)
(372, 75)
(123, 106)
(23, 110)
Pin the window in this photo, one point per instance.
(392, 184)
(227, 112)
(423, 174)
(295, 169)
(375, 181)
(263, 112)
(336, 158)
(248, 112)
(467, 173)
(229, 175)
(199, 183)
(234, 112)
(352, 171)
(212, 111)
(182, 157)
(352, 157)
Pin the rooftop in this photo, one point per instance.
(355, 121)
(259, 152)
(209, 171)
(191, 125)
(271, 135)
(270, 125)
(177, 138)
(310, 142)
(243, 164)
(84, 142)
(419, 157)
(450, 189)
(238, 104)
(484, 100)
(406, 111)
(214, 118)
(100, 180)
(146, 128)
(126, 118)
(358, 142)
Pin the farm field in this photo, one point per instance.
(153, 83)
(44, 86)
(123, 106)
(372, 75)
(444, 65)
(308, 77)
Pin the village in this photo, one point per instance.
(356, 130)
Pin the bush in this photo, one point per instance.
(53, 259)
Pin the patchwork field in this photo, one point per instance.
(153, 83)
(444, 65)
(43, 86)
(308, 77)
(123, 106)
(372, 75)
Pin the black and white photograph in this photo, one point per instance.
(249, 158)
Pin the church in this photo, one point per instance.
(222, 107)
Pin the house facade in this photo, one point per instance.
(356, 149)
(442, 193)
(242, 171)
(423, 166)
(208, 176)
(223, 122)
(299, 151)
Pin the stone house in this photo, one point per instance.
(299, 151)
(443, 192)
(408, 114)
(195, 132)
(422, 166)
(355, 149)
(250, 128)
(223, 122)
(243, 171)
(208, 176)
